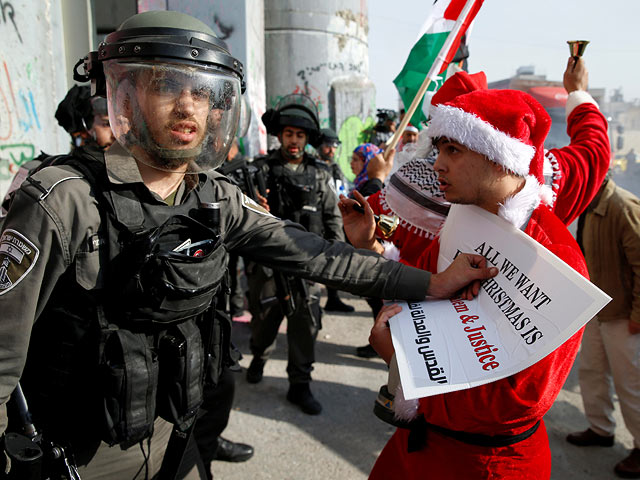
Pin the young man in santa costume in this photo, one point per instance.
(491, 154)
(573, 173)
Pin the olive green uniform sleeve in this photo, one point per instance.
(51, 227)
(331, 218)
(289, 248)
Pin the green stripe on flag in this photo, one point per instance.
(415, 70)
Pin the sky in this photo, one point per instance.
(508, 34)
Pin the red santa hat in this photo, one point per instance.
(459, 84)
(410, 128)
(507, 126)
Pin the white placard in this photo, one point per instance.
(534, 304)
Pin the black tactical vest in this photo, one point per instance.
(104, 363)
(294, 195)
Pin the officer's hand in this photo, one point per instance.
(462, 277)
(380, 165)
(380, 336)
(360, 228)
(576, 78)
(634, 327)
(262, 201)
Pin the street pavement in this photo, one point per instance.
(344, 441)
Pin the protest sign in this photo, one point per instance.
(534, 304)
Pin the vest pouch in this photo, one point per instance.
(179, 274)
(129, 376)
(181, 374)
(311, 219)
(217, 324)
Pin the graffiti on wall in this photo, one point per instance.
(18, 119)
(32, 81)
(347, 68)
(315, 94)
(8, 15)
(351, 133)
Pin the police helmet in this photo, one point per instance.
(173, 90)
(329, 137)
(74, 112)
(295, 110)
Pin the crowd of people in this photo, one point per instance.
(122, 263)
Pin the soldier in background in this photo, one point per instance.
(300, 189)
(85, 118)
(329, 143)
(385, 128)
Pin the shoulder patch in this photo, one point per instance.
(18, 255)
(41, 184)
(252, 205)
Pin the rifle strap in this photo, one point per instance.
(174, 454)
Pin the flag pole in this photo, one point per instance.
(432, 75)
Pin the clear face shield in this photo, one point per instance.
(244, 117)
(173, 117)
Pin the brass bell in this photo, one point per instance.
(577, 47)
(387, 224)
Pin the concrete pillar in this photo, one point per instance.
(320, 49)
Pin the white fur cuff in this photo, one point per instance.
(404, 409)
(576, 98)
(391, 252)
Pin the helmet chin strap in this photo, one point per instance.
(171, 154)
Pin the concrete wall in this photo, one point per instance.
(320, 49)
(33, 80)
(317, 48)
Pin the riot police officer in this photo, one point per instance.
(329, 144)
(84, 117)
(300, 189)
(385, 127)
(110, 262)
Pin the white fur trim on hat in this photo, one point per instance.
(481, 137)
(578, 97)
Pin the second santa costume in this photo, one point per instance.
(495, 430)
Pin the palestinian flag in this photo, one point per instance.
(433, 35)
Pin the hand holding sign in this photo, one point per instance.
(463, 275)
(380, 336)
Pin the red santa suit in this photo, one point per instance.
(506, 407)
(494, 430)
(579, 168)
